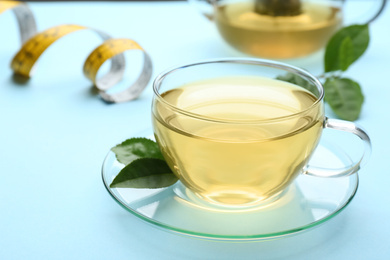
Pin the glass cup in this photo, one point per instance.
(236, 136)
(283, 29)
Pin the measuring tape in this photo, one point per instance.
(24, 16)
(34, 44)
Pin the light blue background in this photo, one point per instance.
(55, 133)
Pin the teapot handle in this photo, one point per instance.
(206, 7)
(381, 8)
(373, 17)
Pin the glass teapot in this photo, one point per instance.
(280, 29)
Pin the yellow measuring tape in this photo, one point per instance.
(34, 44)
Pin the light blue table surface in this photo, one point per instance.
(55, 133)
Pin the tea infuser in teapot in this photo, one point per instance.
(279, 29)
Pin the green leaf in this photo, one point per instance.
(135, 148)
(344, 97)
(148, 173)
(299, 81)
(145, 165)
(346, 53)
(345, 47)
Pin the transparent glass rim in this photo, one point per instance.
(246, 61)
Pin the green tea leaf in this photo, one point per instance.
(345, 47)
(346, 53)
(299, 81)
(135, 148)
(344, 97)
(148, 173)
(145, 165)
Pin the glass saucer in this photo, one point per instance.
(307, 203)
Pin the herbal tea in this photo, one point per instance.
(277, 36)
(225, 149)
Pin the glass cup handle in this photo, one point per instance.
(355, 166)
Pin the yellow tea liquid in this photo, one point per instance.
(277, 36)
(234, 157)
